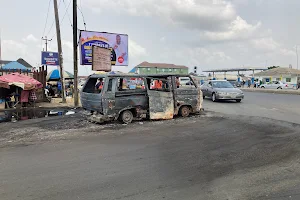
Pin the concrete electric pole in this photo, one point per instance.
(59, 52)
(75, 53)
(46, 44)
(297, 55)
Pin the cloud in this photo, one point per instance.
(239, 29)
(12, 50)
(202, 56)
(192, 14)
(269, 46)
(30, 38)
(135, 50)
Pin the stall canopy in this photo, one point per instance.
(19, 80)
(55, 76)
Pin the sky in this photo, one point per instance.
(209, 34)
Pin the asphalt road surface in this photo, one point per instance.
(200, 157)
(285, 107)
(247, 150)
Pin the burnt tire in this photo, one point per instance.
(126, 117)
(185, 111)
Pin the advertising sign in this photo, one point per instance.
(116, 43)
(50, 58)
(101, 59)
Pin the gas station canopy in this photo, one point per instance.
(237, 69)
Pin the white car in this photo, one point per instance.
(275, 85)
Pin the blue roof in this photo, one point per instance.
(133, 70)
(15, 66)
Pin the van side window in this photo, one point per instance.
(90, 85)
(131, 83)
(109, 87)
(185, 82)
(159, 84)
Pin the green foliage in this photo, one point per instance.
(272, 67)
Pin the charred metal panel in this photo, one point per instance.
(91, 101)
(161, 105)
(131, 99)
(188, 96)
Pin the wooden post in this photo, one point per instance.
(59, 52)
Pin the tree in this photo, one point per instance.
(273, 67)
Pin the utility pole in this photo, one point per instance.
(297, 54)
(75, 53)
(59, 52)
(46, 44)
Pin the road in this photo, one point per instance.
(215, 156)
(284, 107)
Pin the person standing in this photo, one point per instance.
(59, 88)
(120, 51)
(249, 83)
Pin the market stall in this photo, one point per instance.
(17, 88)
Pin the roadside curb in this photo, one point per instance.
(294, 92)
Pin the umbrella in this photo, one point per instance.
(19, 80)
(54, 75)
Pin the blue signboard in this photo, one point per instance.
(50, 58)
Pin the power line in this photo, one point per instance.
(82, 17)
(46, 18)
(53, 19)
(67, 8)
(66, 12)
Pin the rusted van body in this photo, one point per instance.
(131, 96)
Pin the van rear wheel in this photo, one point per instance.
(185, 111)
(126, 116)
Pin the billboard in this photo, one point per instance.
(117, 43)
(50, 58)
(101, 59)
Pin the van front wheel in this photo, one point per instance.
(127, 116)
(185, 111)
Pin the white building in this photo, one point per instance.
(287, 75)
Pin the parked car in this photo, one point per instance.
(221, 90)
(235, 83)
(147, 96)
(275, 85)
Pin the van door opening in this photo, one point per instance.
(161, 103)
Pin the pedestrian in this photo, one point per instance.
(59, 88)
(32, 97)
(249, 83)
(254, 84)
(298, 86)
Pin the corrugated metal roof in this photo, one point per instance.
(161, 65)
(14, 65)
(279, 71)
(4, 62)
(236, 69)
(23, 62)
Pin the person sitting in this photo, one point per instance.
(99, 85)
